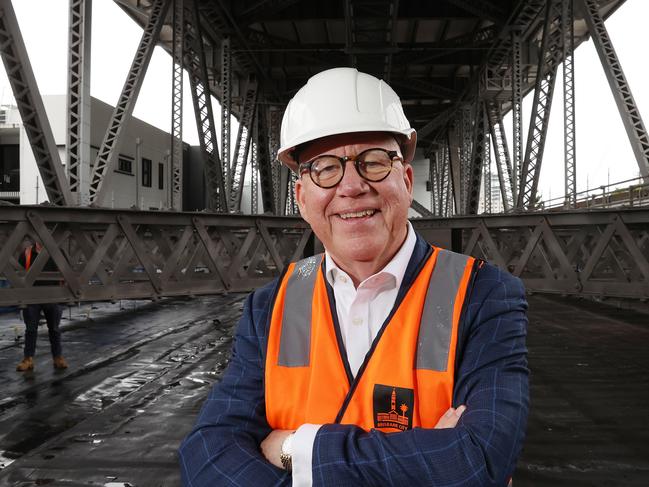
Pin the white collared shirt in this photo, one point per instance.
(361, 312)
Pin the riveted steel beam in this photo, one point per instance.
(31, 108)
(226, 108)
(550, 56)
(477, 161)
(79, 102)
(242, 146)
(107, 155)
(569, 145)
(202, 101)
(176, 162)
(501, 151)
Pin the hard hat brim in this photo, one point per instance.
(407, 141)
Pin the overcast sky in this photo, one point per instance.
(603, 151)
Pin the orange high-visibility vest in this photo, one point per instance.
(28, 258)
(407, 377)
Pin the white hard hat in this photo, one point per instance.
(340, 101)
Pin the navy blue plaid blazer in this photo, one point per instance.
(491, 379)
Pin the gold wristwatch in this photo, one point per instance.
(286, 452)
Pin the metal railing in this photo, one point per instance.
(630, 192)
(106, 254)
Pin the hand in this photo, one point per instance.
(450, 418)
(271, 447)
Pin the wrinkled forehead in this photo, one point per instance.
(346, 144)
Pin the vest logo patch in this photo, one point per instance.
(393, 407)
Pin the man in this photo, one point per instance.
(32, 315)
(384, 362)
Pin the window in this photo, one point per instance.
(161, 175)
(146, 172)
(125, 165)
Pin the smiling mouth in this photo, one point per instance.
(356, 214)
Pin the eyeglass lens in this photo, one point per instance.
(373, 165)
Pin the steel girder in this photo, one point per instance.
(108, 254)
(549, 58)
(274, 123)
(421, 209)
(79, 102)
(476, 160)
(486, 163)
(501, 151)
(517, 114)
(242, 145)
(569, 146)
(266, 162)
(254, 166)
(31, 108)
(595, 253)
(433, 178)
(226, 109)
(109, 150)
(455, 165)
(483, 9)
(445, 185)
(177, 54)
(202, 100)
(371, 30)
(620, 88)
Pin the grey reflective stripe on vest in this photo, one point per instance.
(436, 324)
(295, 342)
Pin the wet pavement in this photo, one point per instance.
(139, 372)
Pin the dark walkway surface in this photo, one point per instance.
(138, 376)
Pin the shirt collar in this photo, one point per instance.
(396, 267)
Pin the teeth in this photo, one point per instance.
(357, 214)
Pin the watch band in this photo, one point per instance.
(286, 453)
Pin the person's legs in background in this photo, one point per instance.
(31, 315)
(53, 314)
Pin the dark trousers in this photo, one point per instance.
(31, 315)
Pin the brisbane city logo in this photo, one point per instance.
(393, 407)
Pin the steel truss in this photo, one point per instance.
(109, 150)
(274, 122)
(445, 186)
(226, 109)
(569, 104)
(486, 164)
(596, 253)
(549, 58)
(30, 105)
(266, 162)
(176, 163)
(254, 166)
(620, 88)
(108, 254)
(477, 160)
(517, 114)
(202, 100)
(501, 151)
(78, 136)
(242, 146)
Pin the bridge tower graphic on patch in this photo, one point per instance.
(398, 417)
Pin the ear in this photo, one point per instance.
(408, 178)
(300, 198)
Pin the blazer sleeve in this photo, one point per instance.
(491, 380)
(223, 448)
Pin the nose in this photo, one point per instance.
(352, 184)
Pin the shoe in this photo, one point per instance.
(60, 363)
(25, 364)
